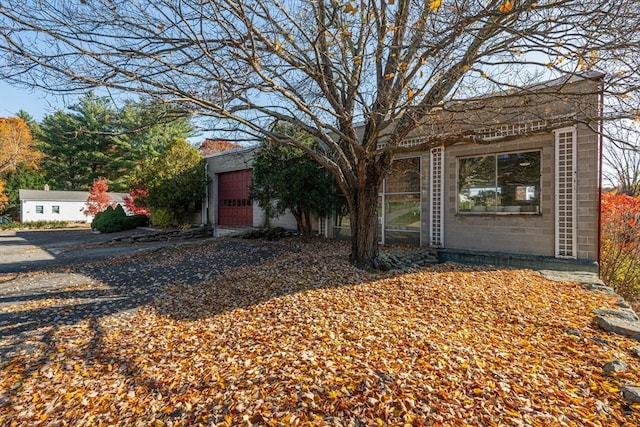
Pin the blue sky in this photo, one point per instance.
(36, 103)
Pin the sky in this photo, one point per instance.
(36, 103)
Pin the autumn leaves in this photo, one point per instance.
(307, 339)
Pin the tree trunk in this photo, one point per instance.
(363, 211)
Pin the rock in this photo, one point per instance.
(614, 366)
(631, 393)
(619, 326)
(604, 341)
(620, 314)
(623, 304)
(574, 332)
(606, 290)
(636, 351)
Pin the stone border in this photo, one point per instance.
(622, 320)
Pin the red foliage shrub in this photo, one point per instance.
(133, 202)
(98, 199)
(620, 238)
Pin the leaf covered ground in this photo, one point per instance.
(303, 338)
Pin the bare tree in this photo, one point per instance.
(359, 76)
(621, 156)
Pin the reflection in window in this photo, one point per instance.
(39, 209)
(399, 203)
(503, 183)
(398, 206)
(55, 209)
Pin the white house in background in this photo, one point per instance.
(43, 205)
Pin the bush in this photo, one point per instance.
(34, 225)
(620, 251)
(134, 221)
(115, 219)
(161, 217)
(267, 233)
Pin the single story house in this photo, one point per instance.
(45, 205)
(526, 194)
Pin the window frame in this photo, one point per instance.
(55, 209)
(532, 210)
(385, 229)
(39, 209)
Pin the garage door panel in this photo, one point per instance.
(234, 204)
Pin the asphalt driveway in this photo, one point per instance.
(49, 279)
(31, 250)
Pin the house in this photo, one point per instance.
(526, 195)
(45, 205)
(228, 203)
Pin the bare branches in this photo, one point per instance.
(325, 66)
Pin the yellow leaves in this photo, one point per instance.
(349, 8)
(277, 46)
(389, 76)
(306, 337)
(411, 94)
(16, 145)
(506, 7)
(434, 5)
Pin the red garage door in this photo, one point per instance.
(234, 204)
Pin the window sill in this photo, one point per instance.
(498, 214)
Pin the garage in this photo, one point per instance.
(234, 204)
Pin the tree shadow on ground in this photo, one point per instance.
(80, 292)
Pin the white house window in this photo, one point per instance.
(506, 183)
(55, 209)
(39, 209)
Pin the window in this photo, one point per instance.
(399, 203)
(39, 209)
(499, 184)
(55, 209)
(398, 206)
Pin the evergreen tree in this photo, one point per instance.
(286, 178)
(81, 146)
(23, 177)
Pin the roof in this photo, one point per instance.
(213, 146)
(63, 196)
(238, 150)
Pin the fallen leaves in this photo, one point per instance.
(306, 339)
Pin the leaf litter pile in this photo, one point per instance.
(306, 339)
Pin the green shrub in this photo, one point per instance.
(115, 219)
(110, 220)
(267, 233)
(134, 221)
(161, 217)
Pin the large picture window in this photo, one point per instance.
(499, 184)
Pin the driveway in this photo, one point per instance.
(31, 250)
(52, 278)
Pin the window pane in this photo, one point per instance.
(55, 209)
(404, 176)
(519, 181)
(508, 183)
(402, 212)
(39, 209)
(477, 190)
